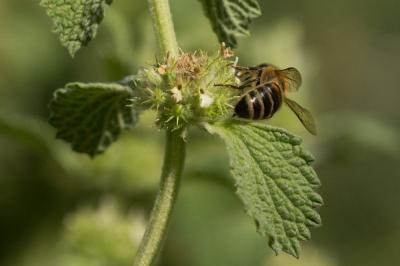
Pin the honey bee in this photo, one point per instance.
(264, 89)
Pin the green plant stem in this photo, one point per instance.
(170, 179)
(163, 26)
(174, 156)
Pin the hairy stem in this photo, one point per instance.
(174, 156)
(163, 26)
(170, 179)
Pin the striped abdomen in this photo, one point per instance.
(259, 103)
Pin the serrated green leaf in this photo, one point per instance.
(274, 180)
(75, 21)
(91, 116)
(230, 19)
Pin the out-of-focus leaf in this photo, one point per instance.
(227, 238)
(230, 19)
(275, 181)
(105, 236)
(120, 45)
(28, 131)
(75, 21)
(91, 116)
(37, 136)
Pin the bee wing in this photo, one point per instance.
(303, 114)
(291, 78)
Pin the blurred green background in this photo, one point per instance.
(61, 208)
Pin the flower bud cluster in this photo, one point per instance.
(183, 89)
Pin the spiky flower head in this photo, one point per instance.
(183, 89)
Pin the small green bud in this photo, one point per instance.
(152, 76)
(155, 98)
